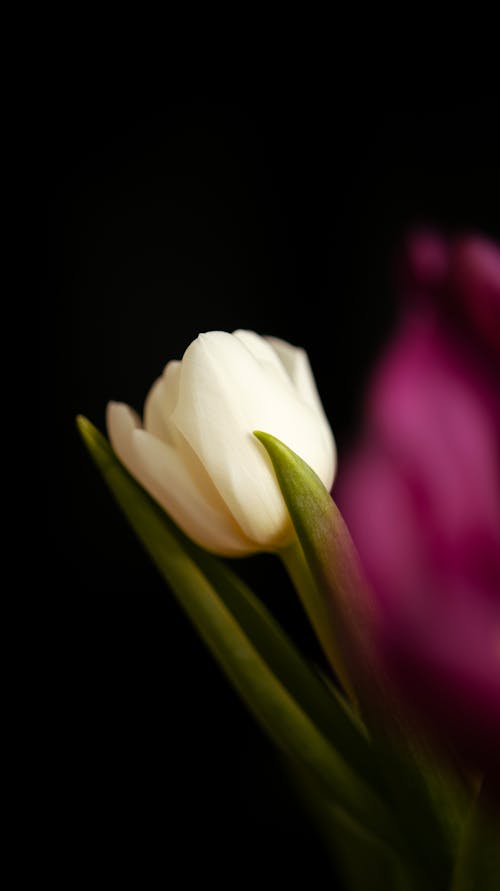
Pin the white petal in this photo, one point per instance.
(171, 483)
(158, 468)
(296, 362)
(262, 351)
(121, 421)
(161, 401)
(225, 394)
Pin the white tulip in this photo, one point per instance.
(196, 454)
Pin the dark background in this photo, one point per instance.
(169, 215)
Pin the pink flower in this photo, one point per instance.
(421, 493)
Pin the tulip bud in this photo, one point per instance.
(195, 451)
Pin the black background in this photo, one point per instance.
(171, 214)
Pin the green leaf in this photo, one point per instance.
(326, 569)
(478, 861)
(330, 712)
(364, 861)
(285, 696)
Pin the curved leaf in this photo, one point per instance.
(326, 569)
(284, 695)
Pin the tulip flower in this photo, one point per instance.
(195, 451)
(421, 495)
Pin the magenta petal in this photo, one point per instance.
(421, 496)
(475, 280)
(423, 261)
(377, 505)
(429, 409)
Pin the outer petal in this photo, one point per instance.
(162, 472)
(161, 401)
(263, 351)
(175, 488)
(292, 365)
(121, 421)
(296, 363)
(225, 394)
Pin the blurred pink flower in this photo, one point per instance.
(421, 492)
